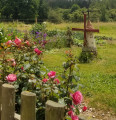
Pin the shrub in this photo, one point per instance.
(86, 56)
(24, 66)
(54, 17)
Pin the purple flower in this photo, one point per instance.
(45, 35)
(37, 32)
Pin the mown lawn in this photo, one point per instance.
(98, 78)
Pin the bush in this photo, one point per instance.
(86, 57)
(58, 40)
(24, 62)
(54, 17)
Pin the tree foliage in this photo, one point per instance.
(68, 10)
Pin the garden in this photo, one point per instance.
(44, 59)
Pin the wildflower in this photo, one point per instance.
(45, 35)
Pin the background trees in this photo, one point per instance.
(57, 10)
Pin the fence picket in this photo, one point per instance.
(8, 102)
(54, 111)
(28, 105)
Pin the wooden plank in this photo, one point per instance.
(77, 29)
(92, 30)
(85, 40)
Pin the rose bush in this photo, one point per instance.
(23, 66)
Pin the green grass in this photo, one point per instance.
(106, 29)
(98, 78)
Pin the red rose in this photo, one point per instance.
(84, 108)
(70, 113)
(74, 117)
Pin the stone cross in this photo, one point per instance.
(89, 41)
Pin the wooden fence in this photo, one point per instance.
(54, 111)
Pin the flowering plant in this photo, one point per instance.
(22, 65)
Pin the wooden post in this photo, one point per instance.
(0, 97)
(8, 102)
(28, 106)
(85, 40)
(54, 111)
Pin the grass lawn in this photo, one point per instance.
(98, 78)
(106, 29)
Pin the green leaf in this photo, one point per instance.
(27, 66)
(61, 101)
(76, 78)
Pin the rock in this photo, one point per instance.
(93, 116)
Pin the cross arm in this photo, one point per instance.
(77, 29)
(87, 30)
(92, 30)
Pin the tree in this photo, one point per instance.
(20, 9)
(74, 7)
(42, 10)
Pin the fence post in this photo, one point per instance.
(0, 96)
(28, 106)
(8, 102)
(54, 111)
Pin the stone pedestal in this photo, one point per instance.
(90, 45)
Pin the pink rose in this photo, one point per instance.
(37, 51)
(77, 97)
(84, 108)
(72, 106)
(8, 42)
(57, 81)
(27, 42)
(11, 60)
(17, 41)
(45, 80)
(51, 74)
(74, 117)
(14, 64)
(11, 78)
(70, 113)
